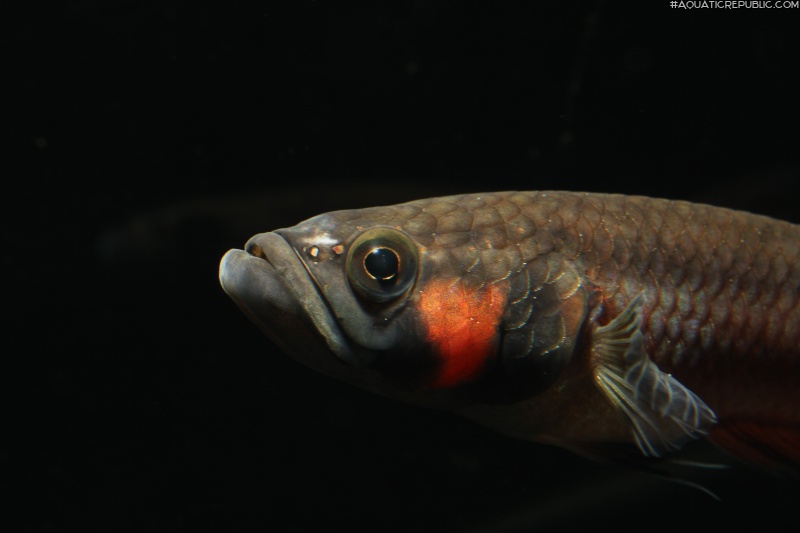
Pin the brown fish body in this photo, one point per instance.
(569, 318)
(722, 289)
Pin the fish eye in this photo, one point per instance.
(381, 264)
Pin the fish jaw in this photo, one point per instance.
(271, 286)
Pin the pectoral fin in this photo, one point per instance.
(662, 413)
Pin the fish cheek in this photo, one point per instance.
(412, 361)
(460, 327)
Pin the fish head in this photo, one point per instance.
(368, 297)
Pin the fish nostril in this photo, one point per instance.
(255, 250)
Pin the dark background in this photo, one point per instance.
(147, 138)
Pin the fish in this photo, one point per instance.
(607, 324)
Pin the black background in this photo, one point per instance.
(147, 138)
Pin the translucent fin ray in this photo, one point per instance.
(662, 413)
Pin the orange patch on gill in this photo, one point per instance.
(461, 324)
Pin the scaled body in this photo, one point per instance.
(571, 318)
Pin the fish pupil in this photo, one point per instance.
(382, 264)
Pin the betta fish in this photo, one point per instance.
(588, 321)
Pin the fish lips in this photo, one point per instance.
(272, 286)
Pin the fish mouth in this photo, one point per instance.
(273, 287)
